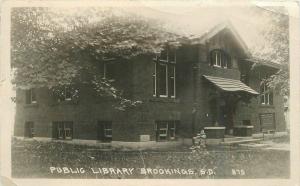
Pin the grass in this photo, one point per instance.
(282, 139)
(33, 159)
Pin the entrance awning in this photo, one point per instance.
(230, 85)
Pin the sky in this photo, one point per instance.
(194, 19)
(249, 21)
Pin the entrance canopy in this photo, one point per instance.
(230, 85)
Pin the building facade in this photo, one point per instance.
(208, 81)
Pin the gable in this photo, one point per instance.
(224, 28)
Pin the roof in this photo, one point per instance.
(201, 39)
(264, 63)
(230, 85)
(214, 30)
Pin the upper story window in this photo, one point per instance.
(167, 55)
(31, 96)
(164, 74)
(266, 95)
(67, 93)
(220, 58)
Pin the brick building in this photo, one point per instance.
(208, 82)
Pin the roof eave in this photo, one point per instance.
(264, 63)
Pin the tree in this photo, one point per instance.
(276, 49)
(51, 48)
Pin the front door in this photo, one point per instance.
(226, 118)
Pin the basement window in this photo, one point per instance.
(165, 130)
(29, 129)
(62, 130)
(104, 131)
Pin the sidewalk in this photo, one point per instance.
(277, 141)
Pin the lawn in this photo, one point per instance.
(34, 159)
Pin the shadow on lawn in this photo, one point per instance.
(34, 159)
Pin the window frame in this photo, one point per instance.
(29, 129)
(62, 128)
(68, 129)
(166, 79)
(66, 89)
(104, 131)
(108, 127)
(167, 50)
(174, 81)
(154, 80)
(33, 92)
(31, 98)
(172, 130)
(156, 77)
(166, 132)
(220, 58)
(266, 93)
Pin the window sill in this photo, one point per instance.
(165, 99)
(66, 102)
(31, 105)
(220, 67)
(266, 106)
(61, 140)
(168, 140)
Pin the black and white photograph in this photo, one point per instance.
(198, 91)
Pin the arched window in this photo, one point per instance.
(220, 58)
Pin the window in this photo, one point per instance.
(220, 59)
(29, 129)
(172, 85)
(109, 69)
(67, 93)
(266, 95)
(31, 96)
(172, 130)
(167, 55)
(163, 79)
(104, 131)
(154, 79)
(165, 130)
(267, 121)
(62, 130)
(164, 74)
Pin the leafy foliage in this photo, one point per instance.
(51, 48)
(276, 49)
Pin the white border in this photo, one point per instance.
(7, 116)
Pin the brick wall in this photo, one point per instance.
(190, 107)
